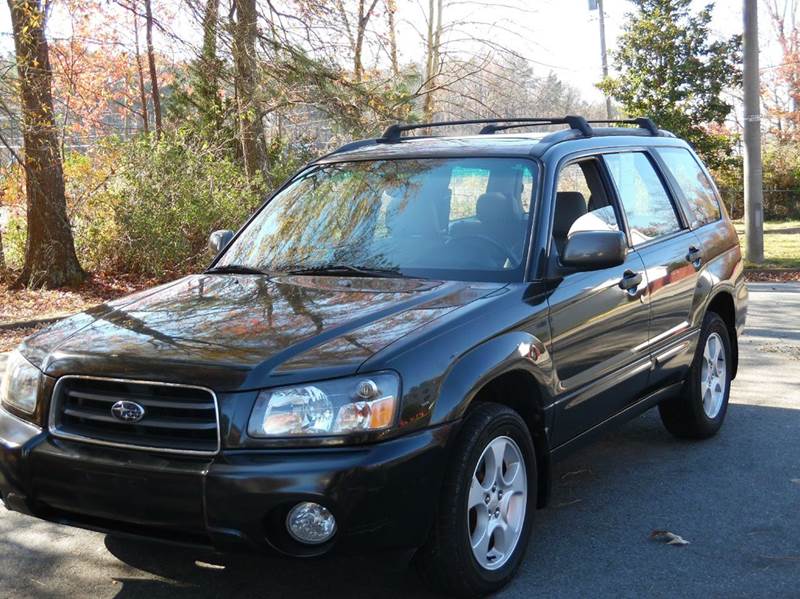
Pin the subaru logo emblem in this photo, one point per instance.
(127, 411)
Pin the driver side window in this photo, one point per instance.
(581, 202)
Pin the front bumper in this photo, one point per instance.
(382, 495)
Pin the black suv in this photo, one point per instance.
(392, 351)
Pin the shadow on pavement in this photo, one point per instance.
(731, 496)
(194, 573)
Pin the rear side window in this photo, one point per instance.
(697, 189)
(647, 206)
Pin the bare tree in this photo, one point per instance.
(391, 9)
(781, 92)
(356, 33)
(140, 71)
(364, 14)
(151, 61)
(50, 259)
(2, 255)
(432, 66)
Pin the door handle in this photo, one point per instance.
(630, 280)
(695, 256)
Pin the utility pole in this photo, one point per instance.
(598, 6)
(753, 191)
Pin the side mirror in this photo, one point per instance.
(219, 240)
(595, 250)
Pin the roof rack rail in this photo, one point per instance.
(394, 133)
(353, 145)
(641, 122)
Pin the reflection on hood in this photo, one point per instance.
(245, 322)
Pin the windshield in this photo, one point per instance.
(460, 219)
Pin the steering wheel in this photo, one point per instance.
(494, 247)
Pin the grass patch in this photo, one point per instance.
(781, 244)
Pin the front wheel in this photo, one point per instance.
(486, 509)
(700, 409)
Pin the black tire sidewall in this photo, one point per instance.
(505, 423)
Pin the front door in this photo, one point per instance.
(599, 319)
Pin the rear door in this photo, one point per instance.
(598, 319)
(671, 252)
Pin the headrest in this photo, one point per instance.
(494, 207)
(570, 206)
(411, 217)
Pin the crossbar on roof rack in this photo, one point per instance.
(642, 122)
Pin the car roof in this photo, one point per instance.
(523, 145)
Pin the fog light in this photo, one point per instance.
(310, 523)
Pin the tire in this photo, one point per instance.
(699, 411)
(447, 561)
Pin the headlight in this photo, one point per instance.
(20, 384)
(335, 407)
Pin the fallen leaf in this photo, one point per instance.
(796, 481)
(573, 473)
(670, 537)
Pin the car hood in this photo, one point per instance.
(245, 331)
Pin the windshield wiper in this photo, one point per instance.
(235, 269)
(344, 269)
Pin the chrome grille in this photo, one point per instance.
(177, 418)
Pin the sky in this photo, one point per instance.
(561, 36)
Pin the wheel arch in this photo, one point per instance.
(519, 390)
(723, 305)
(515, 370)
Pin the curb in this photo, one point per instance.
(34, 322)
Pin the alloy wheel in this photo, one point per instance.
(498, 497)
(713, 375)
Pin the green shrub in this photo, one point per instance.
(781, 177)
(161, 200)
(14, 237)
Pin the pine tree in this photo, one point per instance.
(671, 70)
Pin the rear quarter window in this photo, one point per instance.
(695, 186)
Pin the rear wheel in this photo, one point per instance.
(700, 409)
(487, 504)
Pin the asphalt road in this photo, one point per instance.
(735, 498)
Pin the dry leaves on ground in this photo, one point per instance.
(20, 305)
(771, 276)
(31, 304)
(10, 338)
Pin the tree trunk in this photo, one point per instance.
(151, 61)
(391, 9)
(358, 67)
(364, 15)
(244, 60)
(432, 62)
(2, 255)
(50, 259)
(208, 70)
(140, 70)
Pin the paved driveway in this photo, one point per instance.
(736, 498)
